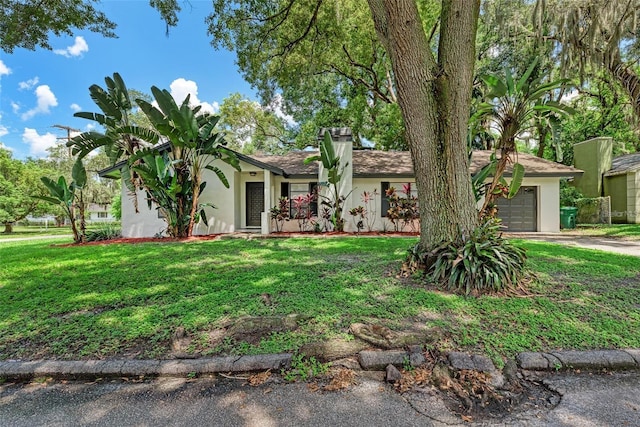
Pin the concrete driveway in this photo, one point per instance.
(608, 244)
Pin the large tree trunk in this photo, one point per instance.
(434, 97)
(8, 228)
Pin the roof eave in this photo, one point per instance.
(384, 175)
(112, 172)
(261, 165)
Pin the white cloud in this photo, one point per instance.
(79, 47)
(15, 106)
(29, 84)
(38, 144)
(4, 70)
(5, 147)
(3, 131)
(180, 88)
(75, 107)
(46, 100)
(90, 127)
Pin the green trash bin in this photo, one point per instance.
(568, 217)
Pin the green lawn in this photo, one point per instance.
(34, 231)
(72, 302)
(21, 231)
(626, 231)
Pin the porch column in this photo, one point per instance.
(265, 224)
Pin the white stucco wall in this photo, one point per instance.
(222, 218)
(227, 217)
(144, 223)
(548, 203)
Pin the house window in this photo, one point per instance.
(401, 190)
(102, 215)
(292, 190)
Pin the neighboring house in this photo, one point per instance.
(97, 213)
(94, 213)
(617, 178)
(45, 220)
(264, 179)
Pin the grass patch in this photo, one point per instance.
(35, 231)
(21, 231)
(126, 300)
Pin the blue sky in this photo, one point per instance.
(39, 89)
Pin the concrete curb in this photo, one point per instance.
(152, 368)
(628, 359)
(588, 360)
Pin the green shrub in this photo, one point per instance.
(595, 210)
(482, 262)
(569, 194)
(105, 232)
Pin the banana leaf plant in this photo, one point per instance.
(331, 162)
(193, 145)
(120, 138)
(167, 159)
(513, 106)
(70, 197)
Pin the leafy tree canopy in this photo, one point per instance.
(19, 181)
(29, 24)
(250, 127)
(324, 56)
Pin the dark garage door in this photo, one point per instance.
(520, 213)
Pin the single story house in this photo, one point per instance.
(94, 213)
(263, 180)
(618, 178)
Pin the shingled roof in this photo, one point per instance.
(373, 163)
(624, 164)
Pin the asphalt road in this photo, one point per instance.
(585, 400)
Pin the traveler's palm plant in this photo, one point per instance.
(513, 106)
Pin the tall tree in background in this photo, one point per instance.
(323, 56)
(597, 33)
(19, 181)
(601, 109)
(250, 127)
(29, 23)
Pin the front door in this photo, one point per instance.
(255, 203)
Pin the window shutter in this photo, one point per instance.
(314, 205)
(384, 205)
